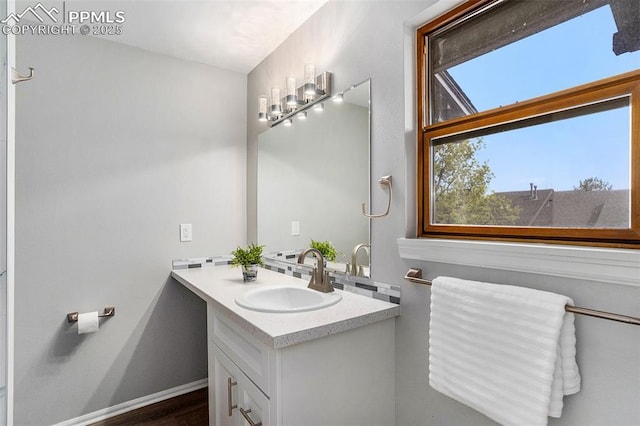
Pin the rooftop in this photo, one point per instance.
(575, 209)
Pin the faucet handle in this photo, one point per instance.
(314, 281)
(326, 283)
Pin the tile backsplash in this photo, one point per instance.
(200, 262)
(285, 263)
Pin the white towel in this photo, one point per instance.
(506, 351)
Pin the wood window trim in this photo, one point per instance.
(627, 84)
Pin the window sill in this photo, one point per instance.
(616, 266)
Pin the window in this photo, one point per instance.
(530, 122)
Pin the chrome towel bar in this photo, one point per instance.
(108, 312)
(415, 276)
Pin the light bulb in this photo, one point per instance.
(262, 108)
(292, 98)
(309, 79)
(276, 107)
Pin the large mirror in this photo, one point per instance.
(313, 177)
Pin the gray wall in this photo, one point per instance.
(356, 40)
(115, 148)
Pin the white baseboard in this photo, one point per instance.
(127, 406)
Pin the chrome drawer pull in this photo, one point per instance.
(245, 414)
(229, 396)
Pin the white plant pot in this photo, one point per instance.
(249, 273)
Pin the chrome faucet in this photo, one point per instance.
(319, 278)
(354, 269)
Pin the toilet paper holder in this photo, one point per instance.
(108, 312)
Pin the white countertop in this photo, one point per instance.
(220, 285)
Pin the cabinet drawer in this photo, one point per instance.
(252, 356)
(237, 399)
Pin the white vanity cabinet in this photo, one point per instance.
(341, 379)
(329, 367)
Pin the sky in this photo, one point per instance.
(560, 154)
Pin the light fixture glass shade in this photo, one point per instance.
(292, 97)
(276, 106)
(309, 79)
(262, 108)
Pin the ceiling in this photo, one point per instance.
(230, 34)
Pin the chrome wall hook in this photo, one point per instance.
(383, 181)
(16, 77)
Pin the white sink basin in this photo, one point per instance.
(286, 299)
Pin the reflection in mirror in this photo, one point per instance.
(312, 178)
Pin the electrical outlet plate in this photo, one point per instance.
(186, 232)
(295, 228)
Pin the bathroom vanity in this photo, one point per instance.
(329, 366)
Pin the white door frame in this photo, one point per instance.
(11, 156)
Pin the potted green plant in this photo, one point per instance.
(326, 248)
(249, 258)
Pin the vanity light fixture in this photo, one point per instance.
(296, 99)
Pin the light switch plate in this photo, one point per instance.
(186, 232)
(295, 228)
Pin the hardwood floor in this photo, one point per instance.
(190, 409)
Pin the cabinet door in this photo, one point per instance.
(225, 410)
(238, 401)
